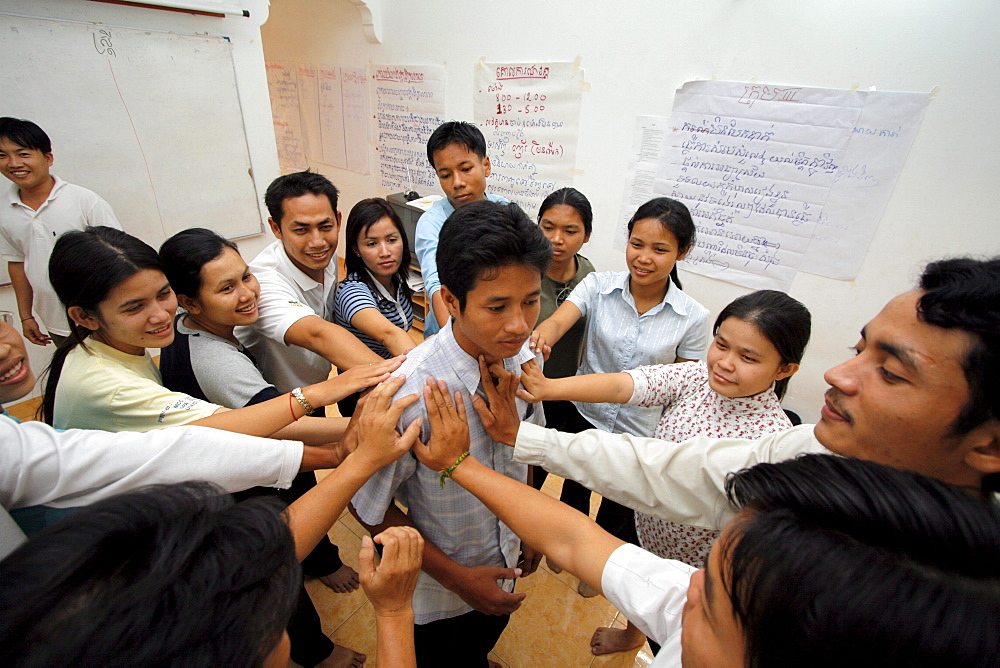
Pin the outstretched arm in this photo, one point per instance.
(593, 388)
(312, 515)
(270, 418)
(550, 330)
(332, 342)
(567, 536)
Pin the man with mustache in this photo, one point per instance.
(920, 395)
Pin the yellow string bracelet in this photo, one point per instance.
(446, 473)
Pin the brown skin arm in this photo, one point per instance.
(25, 296)
(332, 342)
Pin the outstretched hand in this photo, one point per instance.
(448, 424)
(538, 344)
(378, 443)
(390, 584)
(498, 413)
(358, 378)
(533, 382)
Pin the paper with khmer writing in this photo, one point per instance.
(781, 179)
(530, 116)
(354, 88)
(282, 86)
(409, 106)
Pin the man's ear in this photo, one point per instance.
(983, 448)
(275, 227)
(82, 318)
(451, 301)
(487, 168)
(340, 217)
(190, 305)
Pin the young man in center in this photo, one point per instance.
(491, 263)
(457, 152)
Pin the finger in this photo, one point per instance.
(409, 436)
(366, 558)
(482, 410)
(487, 381)
(526, 396)
(390, 546)
(460, 407)
(529, 366)
(511, 602)
(533, 340)
(401, 404)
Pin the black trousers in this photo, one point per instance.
(465, 641)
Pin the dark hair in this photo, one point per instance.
(783, 321)
(85, 266)
(845, 562)
(573, 198)
(25, 133)
(186, 253)
(170, 575)
(675, 218)
(964, 294)
(480, 238)
(297, 184)
(456, 132)
(366, 213)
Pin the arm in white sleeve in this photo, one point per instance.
(682, 482)
(39, 465)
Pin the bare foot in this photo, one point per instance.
(585, 590)
(552, 566)
(344, 580)
(608, 641)
(343, 657)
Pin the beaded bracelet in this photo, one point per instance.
(446, 473)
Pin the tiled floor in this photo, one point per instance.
(551, 629)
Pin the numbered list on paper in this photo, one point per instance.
(530, 115)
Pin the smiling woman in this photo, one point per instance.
(119, 303)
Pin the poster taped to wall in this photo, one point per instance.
(530, 116)
(778, 179)
(409, 105)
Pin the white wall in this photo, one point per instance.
(250, 78)
(635, 54)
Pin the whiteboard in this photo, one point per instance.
(150, 121)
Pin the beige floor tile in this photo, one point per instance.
(358, 632)
(553, 625)
(493, 656)
(335, 608)
(348, 522)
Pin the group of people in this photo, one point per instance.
(872, 536)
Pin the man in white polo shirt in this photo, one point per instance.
(293, 340)
(39, 207)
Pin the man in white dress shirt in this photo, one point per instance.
(920, 395)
